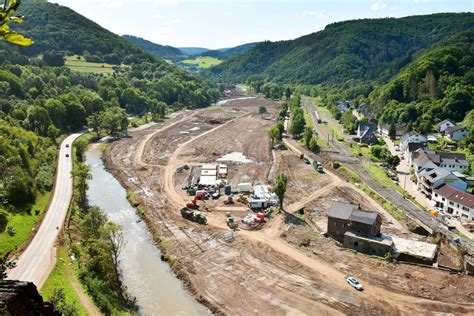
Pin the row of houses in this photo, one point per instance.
(439, 175)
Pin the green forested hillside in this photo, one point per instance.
(228, 52)
(437, 85)
(55, 27)
(161, 51)
(40, 103)
(363, 50)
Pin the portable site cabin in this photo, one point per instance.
(222, 171)
(244, 187)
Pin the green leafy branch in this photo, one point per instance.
(7, 9)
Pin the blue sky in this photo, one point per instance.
(227, 23)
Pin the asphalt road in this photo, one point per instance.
(37, 261)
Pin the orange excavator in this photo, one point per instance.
(193, 204)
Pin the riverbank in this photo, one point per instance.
(143, 268)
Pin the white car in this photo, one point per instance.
(354, 283)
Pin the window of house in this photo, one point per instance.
(451, 203)
(436, 194)
(443, 199)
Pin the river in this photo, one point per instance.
(146, 276)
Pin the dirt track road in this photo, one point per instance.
(260, 271)
(37, 261)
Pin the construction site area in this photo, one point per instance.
(202, 181)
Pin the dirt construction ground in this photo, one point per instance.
(287, 267)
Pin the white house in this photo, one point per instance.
(443, 125)
(453, 201)
(428, 180)
(412, 137)
(423, 159)
(455, 133)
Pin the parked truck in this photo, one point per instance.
(193, 215)
(317, 166)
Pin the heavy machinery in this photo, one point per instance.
(193, 204)
(229, 201)
(242, 199)
(317, 166)
(231, 221)
(193, 215)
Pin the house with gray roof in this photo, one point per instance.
(428, 180)
(456, 133)
(346, 217)
(424, 159)
(443, 125)
(412, 137)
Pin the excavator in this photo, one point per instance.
(193, 204)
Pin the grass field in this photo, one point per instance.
(23, 221)
(60, 278)
(203, 61)
(378, 173)
(83, 66)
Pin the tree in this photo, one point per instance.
(5, 264)
(279, 188)
(393, 161)
(297, 124)
(94, 122)
(60, 304)
(392, 132)
(6, 15)
(158, 110)
(308, 134)
(38, 120)
(114, 240)
(53, 59)
(288, 93)
(313, 144)
(262, 109)
(80, 145)
(115, 121)
(81, 174)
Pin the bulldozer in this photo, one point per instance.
(242, 199)
(229, 201)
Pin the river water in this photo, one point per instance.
(149, 279)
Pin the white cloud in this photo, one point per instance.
(378, 6)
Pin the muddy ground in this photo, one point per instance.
(287, 267)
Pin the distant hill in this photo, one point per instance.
(55, 27)
(366, 50)
(193, 50)
(226, 53)
(161, 51)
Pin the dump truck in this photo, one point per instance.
(193, 216)
(231, 223)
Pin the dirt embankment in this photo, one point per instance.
(262, 272)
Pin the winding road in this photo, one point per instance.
(39, 258)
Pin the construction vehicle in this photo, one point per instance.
(193, 204)
(306, 161)
(229, 200)
(231, 223)
(193, 215)
(317, 166)
(190, 190)
(242, 199)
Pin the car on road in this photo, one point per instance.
(67, 155)
(67, 145)
(354, 283)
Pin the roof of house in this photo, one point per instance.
(456, 195)
(408, 135)
(444, 121)
(422, 156)
(415, 146)
(454, 128)
(437, 174)
(351, 212)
